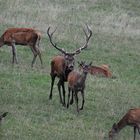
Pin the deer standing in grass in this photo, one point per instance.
(22, 36)
(76, 83)
(131, 118)
(62, 65)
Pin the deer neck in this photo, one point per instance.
(66, 73)
(121, 124)
(82, 78)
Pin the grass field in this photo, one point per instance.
(24, 92)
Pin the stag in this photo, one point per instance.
(62, 65)
(76, 83)
(22, 36)
(131, 118)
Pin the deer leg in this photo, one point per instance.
(35, 55)
(135, 132)
(36, 48)
(139, 129)
(14, 54)
(83, 101)
(71, 101)
(63, 88)
(52, 83)
(76, 100)
(59, 89)
(13, 51)
(69, 90)
(39, 54)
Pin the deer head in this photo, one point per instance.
(69, 56)
(84, 67)
(113, 131)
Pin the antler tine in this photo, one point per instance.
(90, 32)
(88, 36)
(85, 32)
(53, 31)
(54, 44)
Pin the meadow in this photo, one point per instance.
(24, 91)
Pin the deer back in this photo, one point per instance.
(133, 116)
(100, 70)
(97, 70)
(106, 67)
(21, 36)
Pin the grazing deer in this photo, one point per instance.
(76, 83)
(131, 118)
(3, 115)
(22, 36)
(61, 66)
(102, 70)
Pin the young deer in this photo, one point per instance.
(22, 36)
(62, 65)
(131, 118)
(76, 83)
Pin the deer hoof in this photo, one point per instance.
(71, 102)
(64, 105)
(50, 97)
(81, 108)
(67, 106)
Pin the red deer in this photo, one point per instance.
(131, 118)
(22, 36)
(102, 70)
(76, 83)
(3, 115)
(62, 65)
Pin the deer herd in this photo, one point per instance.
(62, 66)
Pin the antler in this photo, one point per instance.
(54, 44)
(88, 36)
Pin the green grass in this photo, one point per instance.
(24, 92)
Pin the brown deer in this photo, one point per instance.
(76, 83)
(22, 36)
(62, 65)
(131, 118)
(3, 115)
(102, 70)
